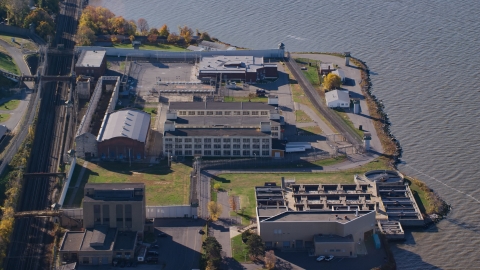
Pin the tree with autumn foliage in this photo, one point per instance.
(331, 81)
(173, 38)
(142, 26)
(85, 36)
(152, 38)
(42, 21)
(164, 31)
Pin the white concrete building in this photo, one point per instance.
(340, 74)
(221, 129)
(337, 99)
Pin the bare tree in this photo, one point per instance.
(270, 259)
(16, 9)
(142, 25)
(233, 204)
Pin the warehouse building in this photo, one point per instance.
(91, 63)
(98, 107)
(237, 129)
(114, 217)
(238, 68)
(124, 134)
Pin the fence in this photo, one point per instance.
(67, 182)
(173, 211)
(187, 55)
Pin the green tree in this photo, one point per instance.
(153, 31)
(212, 249)
(205, 36)
(16, 10)
(331, 81)
(36, 16)
(50, 5)
(255, 246)
(163, 31)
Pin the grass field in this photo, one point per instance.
(242, 185)
(239, 250)
(245, 99)
(4, 117)
(152, 112)
(7, 63)
(311, 72)
(27, 44)
(158, 47)
(302, 117)
(308, 131)
(10, 105)
(164, 186)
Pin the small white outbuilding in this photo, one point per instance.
(337, 99)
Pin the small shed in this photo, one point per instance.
(337, 99)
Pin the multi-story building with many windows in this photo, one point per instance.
(237, 129)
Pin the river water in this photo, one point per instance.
(424, 60)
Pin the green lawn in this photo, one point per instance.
(308, 131)
(164, 186)
(242, 185)
(7, 63)
(152, 112)
(302, 117)
(311, 73)
(245, 99)
(158, 47)
(4, 117)
(10, 105)
(27, 44)
(239, 250)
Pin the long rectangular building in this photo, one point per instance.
(237, 129)
(241, 68)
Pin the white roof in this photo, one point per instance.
(133, 124)
(91, 58)
(340, 95)
(339, 73)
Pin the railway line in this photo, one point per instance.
(32, 238)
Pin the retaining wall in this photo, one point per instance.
(67, 182)
(17, 31)
(269, 53)
(173, 211)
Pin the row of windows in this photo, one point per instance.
(222, 153)
(217, 146)
(217, 140)
(192, 113)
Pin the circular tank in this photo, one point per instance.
(384, 176)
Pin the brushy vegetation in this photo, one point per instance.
(12, 182)
(429, 202)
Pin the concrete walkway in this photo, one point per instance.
(221, 227)
(77, 183)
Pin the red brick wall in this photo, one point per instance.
(120, 145)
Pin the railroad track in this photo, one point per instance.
(32, 236)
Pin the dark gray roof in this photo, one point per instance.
(232, 121)
(212, 132)
(72, 241)
(327, 238)
(220, 106)
(319, 216)
(271, 211)
(113, 192)
(100, 238)
(125, 240)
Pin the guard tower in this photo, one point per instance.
(367, 137)
(347, 59)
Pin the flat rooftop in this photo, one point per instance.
(231, 106)
(216, 64)
(212, 132)
(72, 241)
(100, 238)
(321, 216)
(231, 121)
(91, 59)
(114, 192)
(270, 211)
(125, 240)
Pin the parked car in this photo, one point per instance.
(320, 258)
(329, 258)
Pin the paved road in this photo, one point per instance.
(354, 77)
(221, 228)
